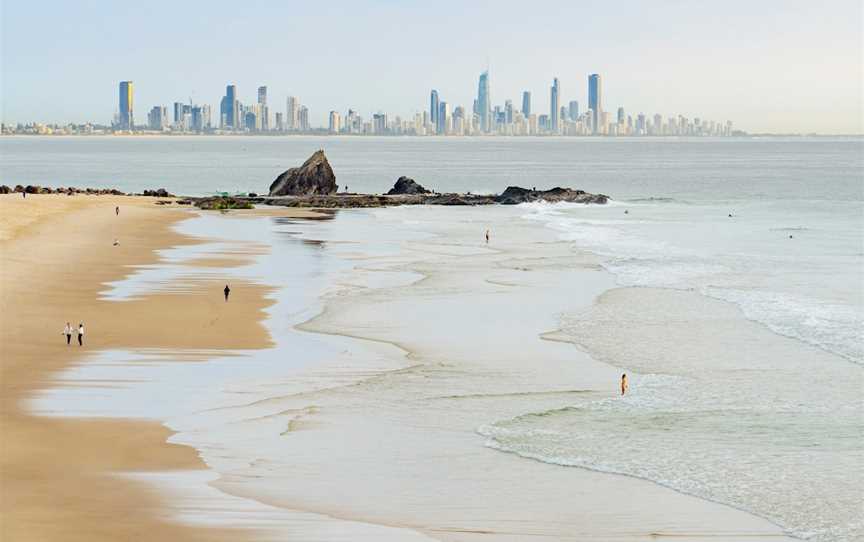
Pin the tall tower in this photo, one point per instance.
(595, 100)
(434, 105)
(554, 108)
(292, 113)
(484, 103)
(526, 104)
(263, 110)
(127, 117)
(230, 111)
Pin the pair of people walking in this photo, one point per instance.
(69, 330)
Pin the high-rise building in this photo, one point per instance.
(178, 113)
(526, 104)
(484, 103)
(158, 117)
(127, 117)
(292, 113)
(595, 100)
(434, 104)
(620, 117)
(443, 118)
(573, 110)
(280, 125)
(335, 124)
(229, 109)
(264, 110)
(379, 123)
(303, 119)
(554, 110)
(508, 111)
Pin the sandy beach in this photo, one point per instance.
(329, 399)
(57, 474)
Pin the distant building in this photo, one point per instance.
(484, 103)
(280, 124)
(292, 113)
(127, 116)
(443, 118)
(573, 110)
(508, 111)
(526, 104)
(230, 109)
(595, 100)
(158, 118)
(554, 111)
(303, 119)
(335, 125)
(434, 104)
(620, 117)
(379, 123)
(264, 110)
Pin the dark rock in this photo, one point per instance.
(5, 189)
(30, 189)
(314, 177)
(222, 203)
(19, 188)
(184, 202)
(253, 195)
(158, 193)
(516, 194)
(406, 185)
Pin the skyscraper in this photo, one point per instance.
(443, 118)
(526, 104)
(303, 119)
(434, 104)
(508, 111)
(264, 111)
(620, 115)
(484, 103)
(595, 101)
(127, 117)
(573, 110)
(292, 114)
(554, 108)
(335, 125)
(229, 109)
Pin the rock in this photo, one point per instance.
(158, 193)
(19, 188)
(222, 203)
(516, 194)
(5, 189)
(253, 195)
(30, 189)
(406, 185)
(314, 177)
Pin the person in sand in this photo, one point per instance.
(487, 236)
(81, 334)
(227, 291)
(68, 332)
(624, 384)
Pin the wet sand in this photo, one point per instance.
(57, 475)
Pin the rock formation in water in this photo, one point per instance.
(314, 177)
(516, 194)
(407, 185)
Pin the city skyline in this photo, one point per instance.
(770, 67)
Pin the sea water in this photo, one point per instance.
(742, 334)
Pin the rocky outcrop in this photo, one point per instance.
(516, 194)
(5, 189)
(314, 177)
(406, 185)
(158, 193)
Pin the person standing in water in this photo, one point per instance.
(68, 332)
(227, 291)
(81, 334)
(487, 236)
(624, 384)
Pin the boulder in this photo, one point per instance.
(314, 177)
(158, 193)
(5, 189)
(406, 185)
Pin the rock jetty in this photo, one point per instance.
(313, 185)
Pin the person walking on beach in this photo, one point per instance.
(117, 210)
(624, 384)
(68, 332)
(81, 334)
(487, 236)
(227, 291)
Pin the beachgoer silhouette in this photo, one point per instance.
(626, 212)
(624, 385)
(68, 332)
(117, 210)
(81, 334)
(487, 236)
(227, 291)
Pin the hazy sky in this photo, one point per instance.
(767, 65)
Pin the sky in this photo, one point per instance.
(782, 66)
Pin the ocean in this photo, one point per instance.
(735, 298)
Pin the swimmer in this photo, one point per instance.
(624, 384)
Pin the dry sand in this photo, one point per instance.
(56, 474)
